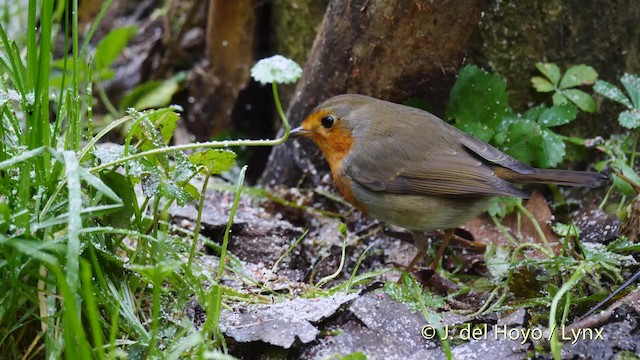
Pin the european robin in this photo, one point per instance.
(407, 167)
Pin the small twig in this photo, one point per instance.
(603, 317)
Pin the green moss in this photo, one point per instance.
(514, 35)
(296, 23)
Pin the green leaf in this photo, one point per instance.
(501, 206)
(152, 94)
(612, 92)
(112, 45)
(629, 173)
(498, 260)
(405, 294)
(622, 186)
(578, 75)
(5, 216)
(150, 183)
(583, 100)
(559, 99)
(151, 138)
(523, 140)
(214, 160)
(156, 273)
(541, 84)
(166, 123)
(501, 132)
(170, 190)
(630, 119)
(557, 115)
(553, 149)
(534, 113)
(551, 71)
(352, 356)
(478, 101)
(122, 186)
(183, 169)
(632, 84)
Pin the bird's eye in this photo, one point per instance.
(327, 121)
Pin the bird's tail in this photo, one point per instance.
(553, 176)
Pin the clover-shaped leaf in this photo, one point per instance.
(630, 119)
(276, 69)
(551, 71)
(632, 85)
(583, 100)
(564, 89)
(612, 92)
(578, 75)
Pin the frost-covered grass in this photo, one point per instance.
(90, 268)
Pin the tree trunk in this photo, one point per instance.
(390, 49)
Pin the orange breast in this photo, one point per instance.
(343, 183)
(335, 146)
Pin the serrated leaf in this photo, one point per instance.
(170, 190)
(557, 115)
(551, 71)
(214, 160)
(478, 101)
(553, 149)
(631, 82)
(583, 100)
(578, 75)
(612, 92)
(150, 183)
(151, 138)
(523, 140)
(110, 47)
(534, 113)
(630, 119)
(497, 260)
(166, 123)
(501, 206)
(541, 84)
(406, 293)
(183, 169)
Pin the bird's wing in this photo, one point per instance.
(448, 162)
(493, 155)
(441, 176)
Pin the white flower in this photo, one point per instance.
(276, 69)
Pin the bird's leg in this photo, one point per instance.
(445, 240)
(422, 243)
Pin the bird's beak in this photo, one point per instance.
(299, 131)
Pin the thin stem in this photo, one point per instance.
(198, 219)
(210, 144)
(556, 347)
(533, 220)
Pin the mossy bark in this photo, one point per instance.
(514, 35)
(392, 50)
(295, 25)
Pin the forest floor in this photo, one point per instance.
(285, 251)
